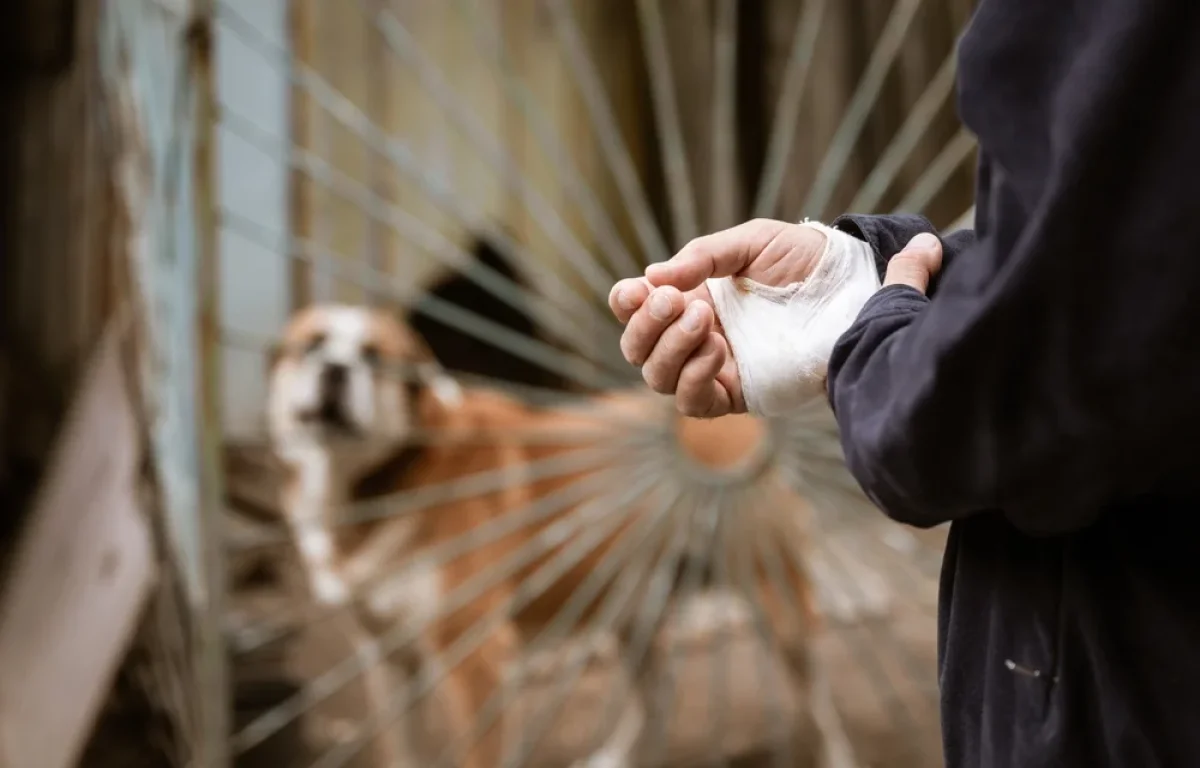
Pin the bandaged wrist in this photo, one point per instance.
(782, 337)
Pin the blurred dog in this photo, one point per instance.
(360, 413)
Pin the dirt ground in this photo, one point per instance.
(878, 584)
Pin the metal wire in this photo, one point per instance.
(855, 118)
(600, 224)
(787, 113)
(919, 118)
(724, 118)
(666, 113)
(583, 68)
(405, 46)
(949, 160)
(562, 304)
(619, 478)
(542, 579)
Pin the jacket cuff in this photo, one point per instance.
(887, 235)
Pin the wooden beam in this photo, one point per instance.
(81, 574)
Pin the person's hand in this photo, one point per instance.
(672, 332)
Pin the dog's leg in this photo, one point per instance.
(382, 690)
(467, 689)
(305, 501)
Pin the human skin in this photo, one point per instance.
(671, 329)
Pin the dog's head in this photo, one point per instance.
(352, 381)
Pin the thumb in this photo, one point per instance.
(720, 254)
(917, 263)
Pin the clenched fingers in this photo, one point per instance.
(642, 332)
(700, 392)
(676, 347)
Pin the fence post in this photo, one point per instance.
(211, 660)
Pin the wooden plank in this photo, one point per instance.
(82, 572)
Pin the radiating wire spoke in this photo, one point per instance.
(600, 224)
(512, 521)
(884, 666)
(949, 160)
(480, 483)
(474, 485)
(726, 505)
(724, 117)
(584, 511)
(787, 112)
(346, 187)
(535, 396)
(599, 109)
(647, 615)
(920, 116)
(743, 566)
(563, 298)
(466, 321)
(493, 152)
(667, 120)
(863, 101)
(599, 521)
(638, 540)
(865, 650)
(333, 680)
(700, 543)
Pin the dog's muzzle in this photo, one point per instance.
(332, 389)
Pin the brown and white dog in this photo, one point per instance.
(359, 410)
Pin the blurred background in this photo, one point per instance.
(178, 176)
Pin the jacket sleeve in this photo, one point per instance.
(1056, 369)
(887, 236)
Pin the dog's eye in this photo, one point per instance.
(371, 354)
(314, 343)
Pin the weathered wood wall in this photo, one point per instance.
(481, 59)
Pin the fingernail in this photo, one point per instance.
(660, 306)
(923, 241)
(626, 303)
(692, 318)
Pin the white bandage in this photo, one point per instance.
(782, 337)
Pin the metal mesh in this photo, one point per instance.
(367, 147)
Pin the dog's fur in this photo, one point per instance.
(359, 438)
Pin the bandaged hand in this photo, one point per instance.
(745, 319)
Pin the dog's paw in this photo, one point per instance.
(329, 589)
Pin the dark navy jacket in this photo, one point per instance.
(1046, 399)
